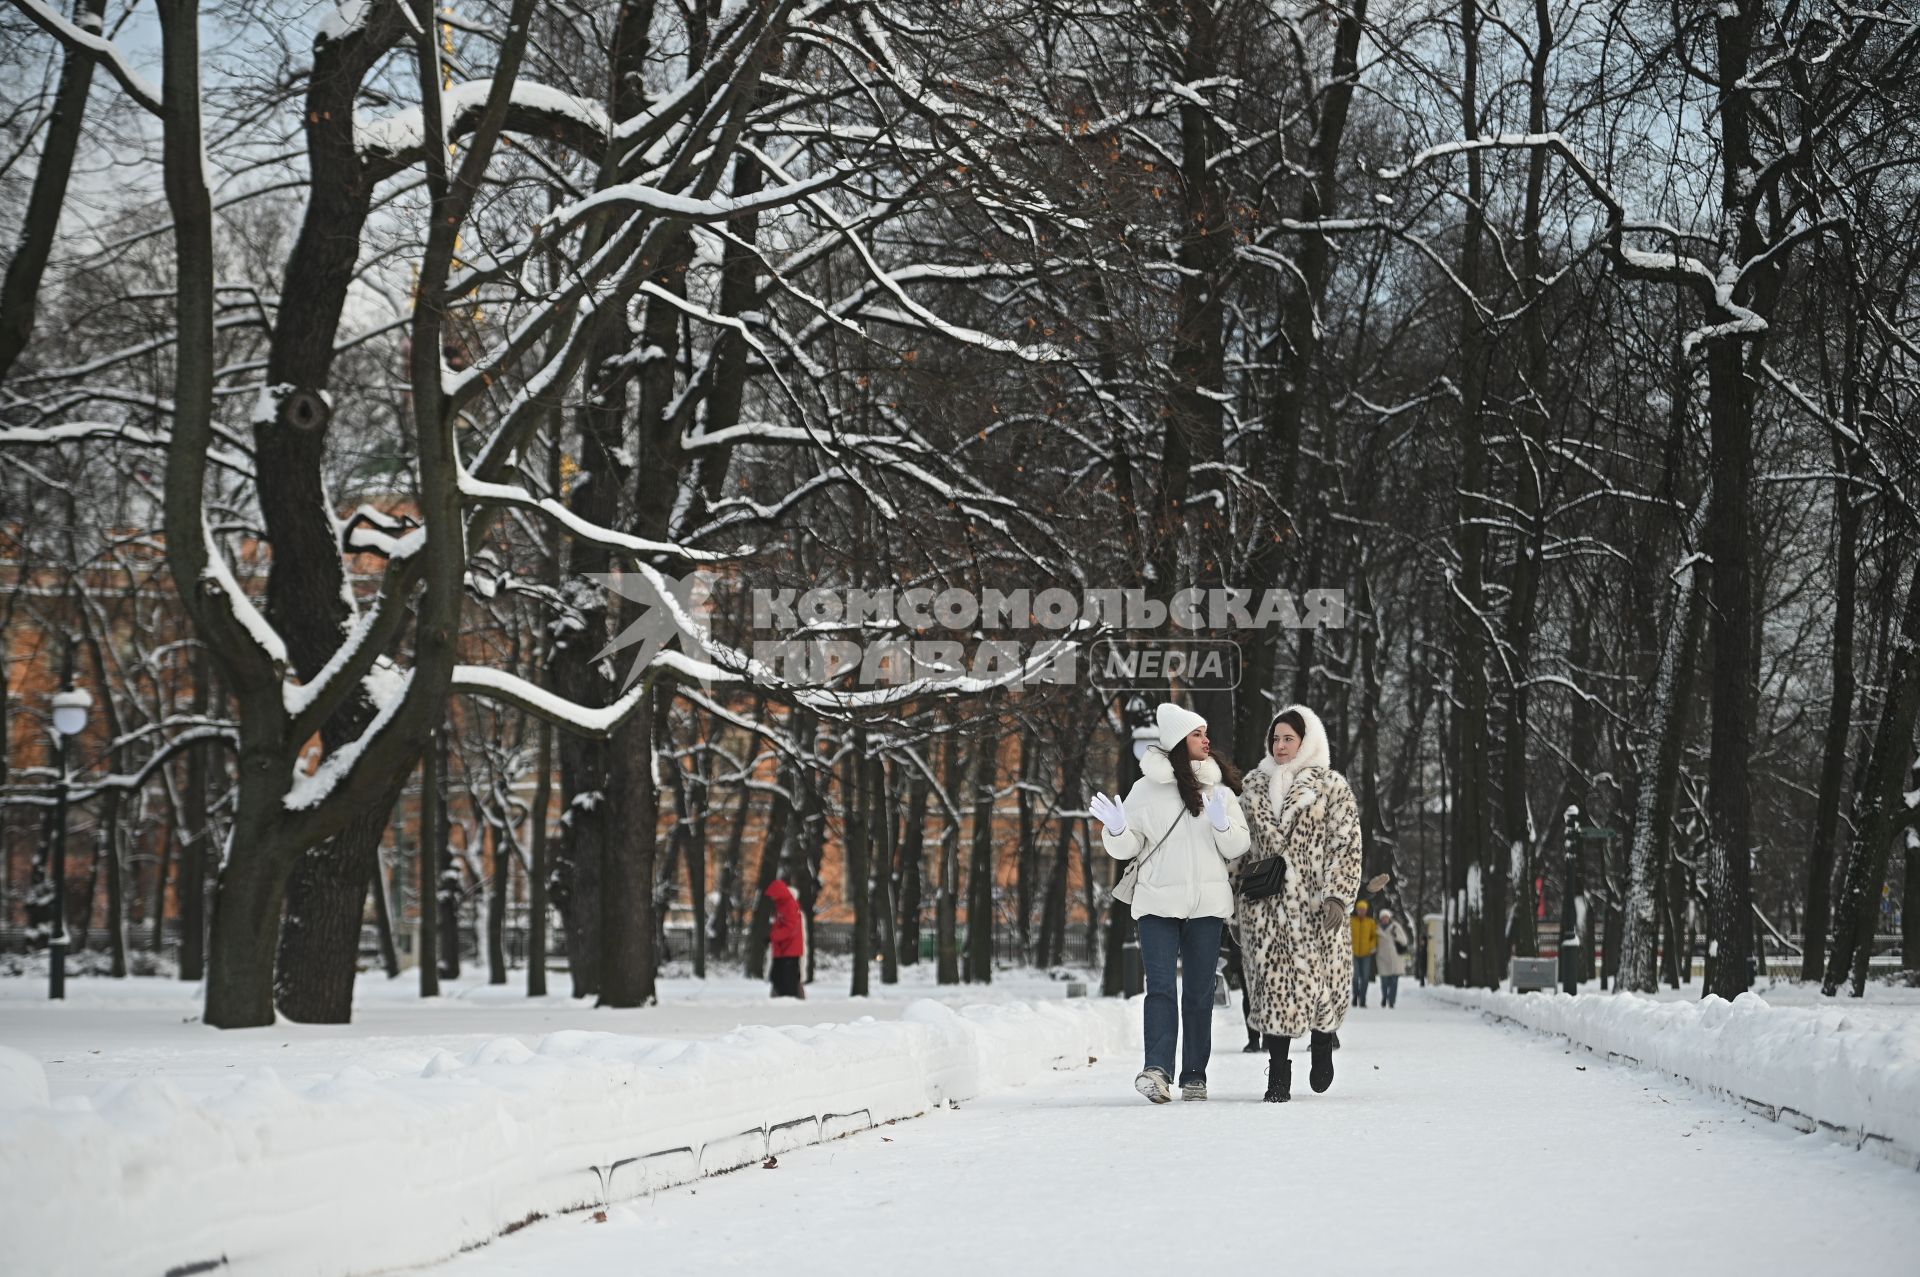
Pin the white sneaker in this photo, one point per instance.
(1153, 1084)
(1193, 1090)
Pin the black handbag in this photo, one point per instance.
(1266, 878)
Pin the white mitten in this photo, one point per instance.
(1110, 813)
(1217, 809)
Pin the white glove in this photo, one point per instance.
(1110, 813)
(1217, 809)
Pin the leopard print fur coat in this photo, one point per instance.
(1300, 970)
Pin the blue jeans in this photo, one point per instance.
(1389, 990)
(1196, 943)
(1362, 977)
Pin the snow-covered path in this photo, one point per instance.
(1447, 1145)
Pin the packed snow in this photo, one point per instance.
(1446, 1146)
(1852, 1072)
(134, 1139)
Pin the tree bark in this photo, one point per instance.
(884, 833)
(1880, 810)
(383, 921)
(912, 844)
(1833, 762)
(626, 886)
(19, 296)
(537, 867)
(427, 878)
(447, 890)
(1653, 810)
(192, 888)
(854, 814)
(319, 949)
(946, 902)
(980, 882)
(497, 904)
(1477, 955)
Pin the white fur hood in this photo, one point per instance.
(1314, 752)
(1158, 768)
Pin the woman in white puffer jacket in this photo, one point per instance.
(1183, 817)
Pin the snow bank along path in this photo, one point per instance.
(356, 1172)
(1855, 1077)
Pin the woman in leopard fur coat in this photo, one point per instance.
(1298, 963)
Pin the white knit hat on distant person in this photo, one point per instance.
(1175, 722)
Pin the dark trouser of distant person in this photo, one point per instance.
(1389, 990)
(786, 978)
(1362, 977)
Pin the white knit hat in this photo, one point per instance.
(1175, 722)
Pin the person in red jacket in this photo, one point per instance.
(789, 938)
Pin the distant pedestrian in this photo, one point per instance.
(1296, 952)
(1391, 957)
(1366, 939)
(789, 937)
(1182, 823)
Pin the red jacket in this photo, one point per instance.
(789, 931)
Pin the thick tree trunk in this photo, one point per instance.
(1880, 811)
(1910, 897)
(855, 834)
(1653, 812)
(1731, 625)
(245, 929)
(537, 868)
(912, 850)
(1027, 867)
(1053, 911)
(19, 297)
(1833, 762)
(626, 886)
(427, 876)
(1477, 955)
(193, 852)
(884, 832)
(446, 891)
(946, 901)
(320, 936)
(980, 882)
(497, 906)
(383, 921)
(726, 905)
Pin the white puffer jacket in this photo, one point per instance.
(1187, 876)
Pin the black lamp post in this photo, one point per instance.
(70, 707)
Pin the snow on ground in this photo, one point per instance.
(110, 1030)
(1446, 1146)
(1833, 1063)
(133, 1138)
(168, 1145)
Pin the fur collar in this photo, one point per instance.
(1158, 768)
(1313, 753)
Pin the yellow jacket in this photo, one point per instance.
(1366, 935)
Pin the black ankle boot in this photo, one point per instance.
(1279, 1071)
(1320, 1076)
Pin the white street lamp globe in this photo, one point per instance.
(70, 709)
(1144, 739)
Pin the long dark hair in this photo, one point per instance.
(1189, 784)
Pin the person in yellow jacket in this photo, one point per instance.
(1366, 939)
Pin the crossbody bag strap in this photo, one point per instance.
(1142, 860)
